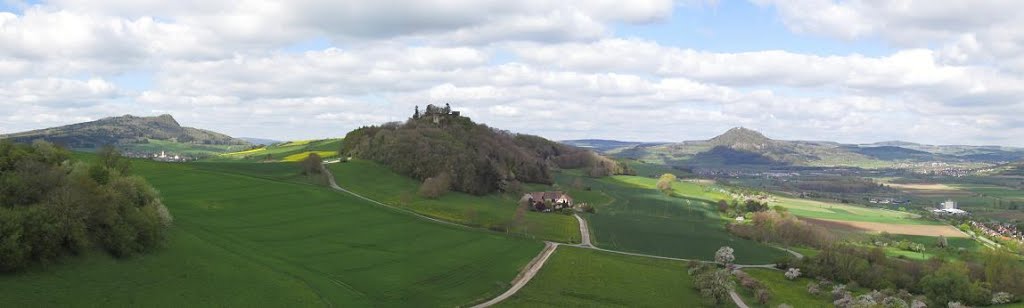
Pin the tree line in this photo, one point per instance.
(53, 206)
(979, 279)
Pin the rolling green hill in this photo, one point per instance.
(240, 240)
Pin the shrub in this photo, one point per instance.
(748, 282)
(436, 186)
(1001, 298)
(762, 295)
(838, 291)
(894, 302)
(813, 288)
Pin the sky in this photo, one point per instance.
(937, 72)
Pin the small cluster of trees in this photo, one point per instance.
(737, 208)
(52, 206)
(312, 164)
(783, 228)
(714, 283)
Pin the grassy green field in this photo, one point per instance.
(494, 211)
(288, 151)
(302, 155)
(931, 248)
(792, 292)
(239, 240)
(930, 241)
(636, 217)
(836, 211)
(576, 277)
(994, 191)
(653, 170)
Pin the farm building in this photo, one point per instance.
(548, 200)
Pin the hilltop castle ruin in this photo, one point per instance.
(435, 113)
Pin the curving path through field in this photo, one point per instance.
(538, 262)
(334, 185)
(584, 232)
(524, 277)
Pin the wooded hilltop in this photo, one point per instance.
(476, 158)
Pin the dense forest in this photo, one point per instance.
(475, 158)
(52, 206)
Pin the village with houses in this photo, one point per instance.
(162, 156)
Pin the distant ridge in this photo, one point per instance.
(123, 130)
(741, 146)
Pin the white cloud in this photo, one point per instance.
(57, 92)
(552, 68)
(975, 31)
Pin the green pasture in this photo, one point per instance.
(577, 277)
(957, 247)
(837, 211)
(495, 211)
(994, 191)
(240, 240)
(636, 217)
(783, 291)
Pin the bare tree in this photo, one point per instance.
(312, 164)
(434, 187)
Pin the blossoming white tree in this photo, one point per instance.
(792, 273)
(724, 256)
